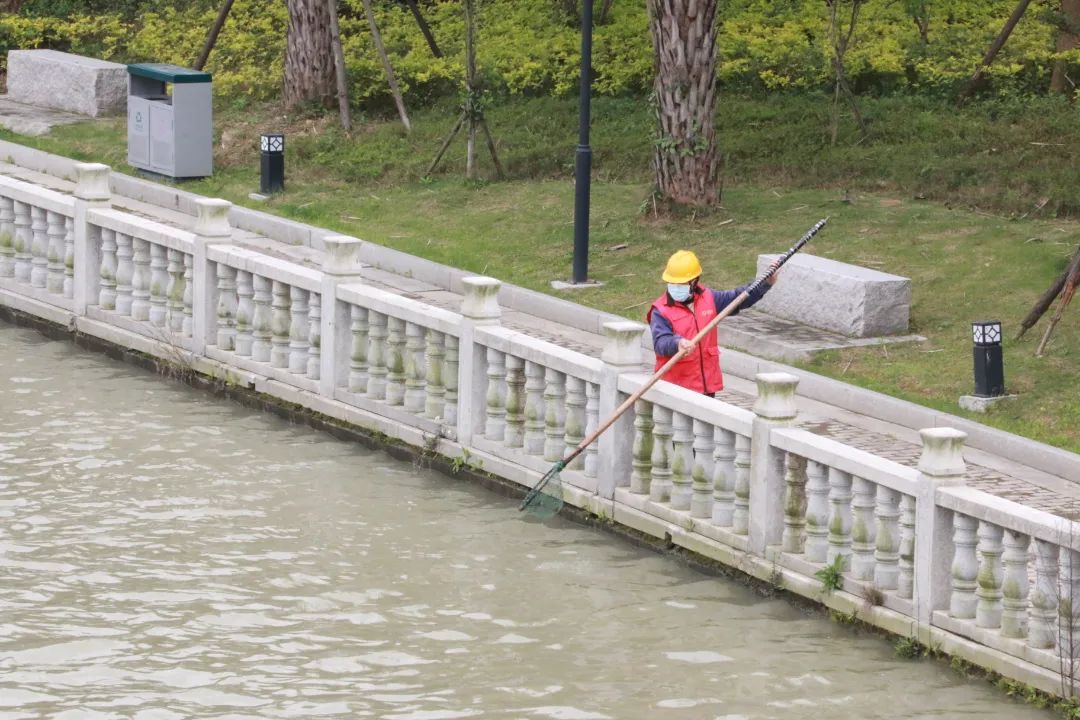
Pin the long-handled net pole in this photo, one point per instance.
(535, 492)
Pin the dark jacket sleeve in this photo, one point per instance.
(723, 297)
(665, 341)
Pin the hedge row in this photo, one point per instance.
(529, 47)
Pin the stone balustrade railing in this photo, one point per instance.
(918, 552)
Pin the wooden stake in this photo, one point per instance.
(1066, 298)
(424, 28)
(339, 68)
(211, 37)
(391, 78)
(1047, 299)
(995, 48)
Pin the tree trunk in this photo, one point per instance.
(995, 48)
(309, 59)
(1068, 38)
(685, 159)
(339, 67)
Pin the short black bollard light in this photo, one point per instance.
(272, 164)
(989, 367)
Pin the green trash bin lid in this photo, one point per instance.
(168, 73)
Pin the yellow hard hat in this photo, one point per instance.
(682, 267)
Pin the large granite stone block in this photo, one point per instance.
(831, 295)
(62, 81)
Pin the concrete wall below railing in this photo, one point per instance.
(1042, 457)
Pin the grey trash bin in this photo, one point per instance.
(170, 120)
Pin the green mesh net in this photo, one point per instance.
(545, 499)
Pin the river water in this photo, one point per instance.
(167, 555)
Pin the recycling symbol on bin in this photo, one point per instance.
(138, 117)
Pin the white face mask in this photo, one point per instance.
(679, 293)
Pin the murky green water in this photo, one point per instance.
(166, 555)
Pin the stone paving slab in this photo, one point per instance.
(31, 120)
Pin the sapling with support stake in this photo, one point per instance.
(545, 498)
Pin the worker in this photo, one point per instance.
(678, 315)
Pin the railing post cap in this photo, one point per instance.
(342, 255)
(775, 396)
(943, 452)
(92, 181)
(622, 345)
(212, 218)
(481, 300)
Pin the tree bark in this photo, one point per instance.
(685, 159)
(1068, 38)
(309, 59)
(995, 48)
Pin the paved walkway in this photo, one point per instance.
(988, 472)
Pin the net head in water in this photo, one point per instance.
(545, 500)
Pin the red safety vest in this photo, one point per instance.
(699, 370)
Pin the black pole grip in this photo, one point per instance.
(787, 256)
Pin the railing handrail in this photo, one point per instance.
(1010, 515)
(37, 196)
(142, 228)
(856, 462)
(673, 397)
(400, 307)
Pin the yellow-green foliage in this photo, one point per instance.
(526, 47)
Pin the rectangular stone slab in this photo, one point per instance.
(847, 299)
(62, 81)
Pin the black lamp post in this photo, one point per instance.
(583, 157)
(989, 367)
(272, 164)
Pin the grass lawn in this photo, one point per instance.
(966, 264)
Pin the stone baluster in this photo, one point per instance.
(358, 352)
(682, 461)
(905, 581)
(245, 312)
(514, 434)
(395, 361)
(7, 237)
(740, 518)
(701, 473)
(140, 280)
(965, 567)
(887, 539)
(1042, 627)
(125, 273)
(554, 415)
(299, 330)
(87, 261)
(434, 390)
(280, 323)
(1014, 585)
(614, 448)
(534, 408)
(575, 420)
(988, 607)
(188, 324)
(159, 282)
(592, 422)
(941, 464)
(1069, 614)
(39, 244)
(54, 253)
(495, 412)
(774, 408)
(68, 283)
(450, 409)
(23, 240)
(376, 356)
(641, 472)
(793, 540)
(660, 483)
(839, 516)
(261, 319)
(226, 307)
(863, 529)
(817, 512)
(174, 291)
(415, 370)
(723, 509)
(314, 362)
(107, 273)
